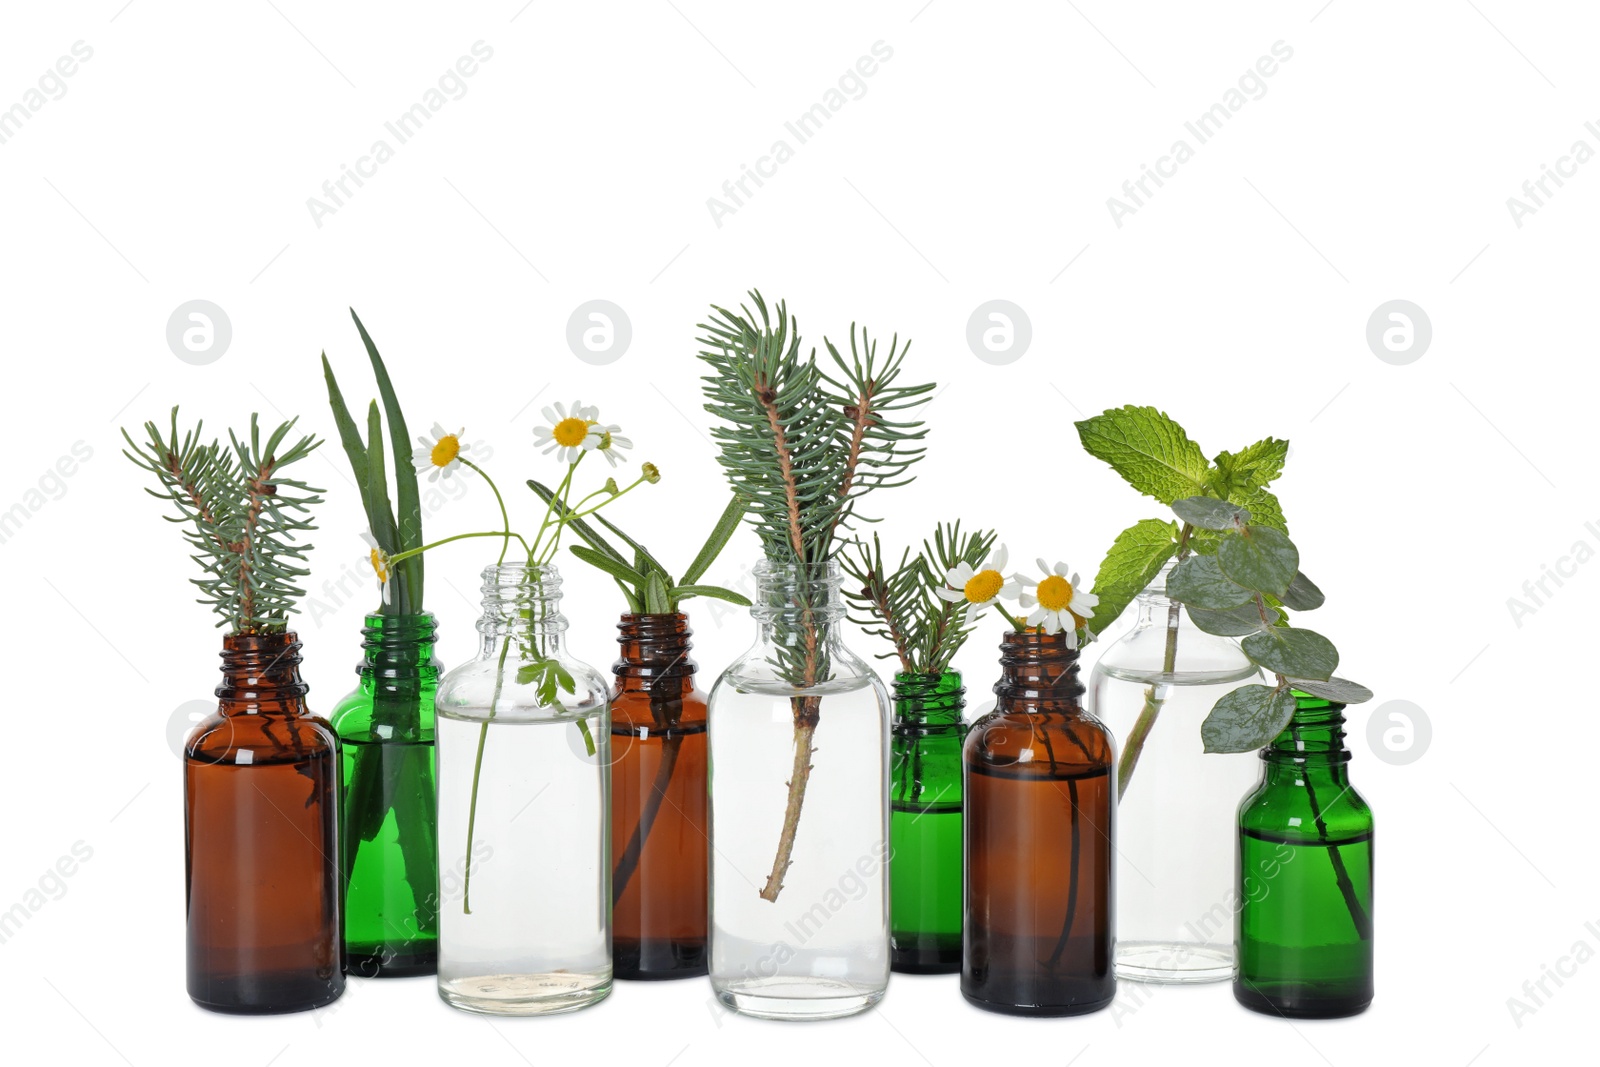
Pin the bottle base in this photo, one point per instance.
(265, 996)
(525, 994)
(797, 999)
(926, 959)
(1038, 1011)
(658, 960)
(1299, 1002)
(1174, 962)
(367, 961)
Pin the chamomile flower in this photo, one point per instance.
(440, 456)
(979, 588)
(610, 443)
(380, 562)
(570, 433)
(1057, 601)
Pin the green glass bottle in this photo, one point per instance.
(388, 822)
(1304, 910)
(925, 823)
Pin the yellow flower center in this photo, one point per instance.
(448, 448)
(605, 440)
(983, 586)
(1054, 593)
(570, 432)
(380, 564)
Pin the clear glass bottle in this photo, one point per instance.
(799, 731)
(387, 821)
(524, 823)
(925, 823)
(1040, 928)
(659, 844)
(1304, 875)
(1153, 687)
(262, 873)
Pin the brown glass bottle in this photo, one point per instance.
(659, 843)
(1038, 936)
(260, 778)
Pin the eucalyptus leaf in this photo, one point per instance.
(1247, 718)
(1259, 558)
(1338, 690)
(1209, 513)
(1199, 582)
(1234, 622)
(1293, 653)
(1302, 594)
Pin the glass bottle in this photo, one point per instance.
(1040, 825)
(1175, 815)
(659, 842)
(925, 823)
(524, 789)
(388, 819)
(799, 731)
(262, 872)
(1304, 923)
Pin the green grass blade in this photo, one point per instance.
(727, 523)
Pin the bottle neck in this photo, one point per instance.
(793, 603)
(397, 651)
(929, 699)
(654, 654)
(1038, 673)
(1311, 745)
(521, 601)
(261, 675)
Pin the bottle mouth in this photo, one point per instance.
(791, 591)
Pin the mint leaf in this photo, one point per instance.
(1247, 718)
(1293, 653)
(1148, 449)
(1263, 507)
(1254, 466)
(1135, 558)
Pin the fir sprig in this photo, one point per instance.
(242, 514)
(898, 605)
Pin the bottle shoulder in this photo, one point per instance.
(1071, 742)
(522, 690)
(1285, 807)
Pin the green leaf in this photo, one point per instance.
(1247, 718)
(1199, 582)
(408, 502)
(1338, 690)
(1234, 622)
(1209, 513)
(1254, 466)
(377, 489)
(727, 523)
(1135, 558)
(1259, 558)
(684, 592)
(350, 437)
(1263, 507)
(643, 560)
(616, 568)
(578, 526)
(656, 601)
(1302, 594)
(1148, 449)
(1293, 653)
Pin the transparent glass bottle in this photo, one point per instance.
(1040, 928)
(387, 821)
(524, 824)
(1304, 874)
(262, 873)
(1153, 687)
(799, 732)
(659, 844)
(925, 823)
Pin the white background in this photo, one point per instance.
(977, 165)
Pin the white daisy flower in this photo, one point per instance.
(1057, 602)
(570, 433)
(610, 442)
(440, 456)
(380, 562)
(979, 588)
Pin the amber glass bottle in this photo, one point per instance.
(260, 778)
(659, 841)
(1040, 796)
